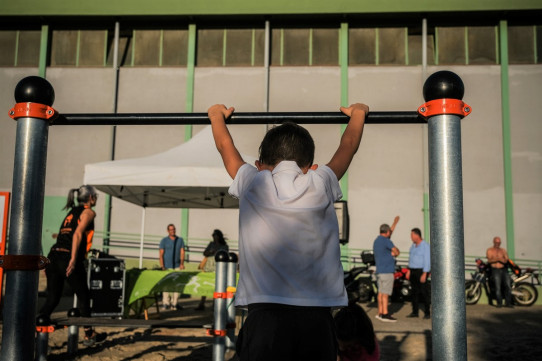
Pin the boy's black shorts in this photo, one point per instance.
(281, 332)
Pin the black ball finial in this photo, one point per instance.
(221, 256)
(43, 320)
(443, 85)
(233, 257)
(34, 89)
(74, 312)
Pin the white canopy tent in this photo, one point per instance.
(191, 175)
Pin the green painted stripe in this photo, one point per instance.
(161, 48)
(133, 47)
(310, 46)
(16, 56)
(235, 7)
(224, 46)
(44, 44)
(377, 46)
(189, 106)
(506, 141)
(77, 48)
(343, 62)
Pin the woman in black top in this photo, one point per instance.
(68, 256)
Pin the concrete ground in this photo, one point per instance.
(492, 334)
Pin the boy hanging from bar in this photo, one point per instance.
(290, 270)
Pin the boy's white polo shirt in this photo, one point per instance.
(289, 249)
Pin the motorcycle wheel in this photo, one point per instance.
(524, 294)
(472, 293)
(365, 292)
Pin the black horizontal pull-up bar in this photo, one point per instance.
(236, 118)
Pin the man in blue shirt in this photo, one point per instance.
(171, 257)
(385, 252)
(419, 264)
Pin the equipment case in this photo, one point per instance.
(106, 280)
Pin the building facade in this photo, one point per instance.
(181, 57)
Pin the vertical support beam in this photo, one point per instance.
(506, 141)
(220, 311)
(231, 288)
(426, 221)
(44, 50)
(443, 92)
(343, 63)
(447, 242)
(108, 199)
(189, 107)
(19, 314)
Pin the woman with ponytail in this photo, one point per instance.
(68, 255)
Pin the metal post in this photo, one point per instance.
(231, 287)
(444, 91)
(34, 95)
(43, 328)
(220, 310)
(73, 332)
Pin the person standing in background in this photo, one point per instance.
(171, 257)
(385, 252)
(419, 266)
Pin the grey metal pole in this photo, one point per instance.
(443, 89)
(231, 286)
(220, 310)
(19, 316)
(43, 328)
(73, 332)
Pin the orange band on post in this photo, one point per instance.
(444, 106)
(219, 333)
(45, 329)
(223, 294)
(32, 110)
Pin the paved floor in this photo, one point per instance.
(492, 334)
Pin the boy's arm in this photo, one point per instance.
(350, 139)
(223, 140)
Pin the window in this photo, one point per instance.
(482, 45)
(392, 46)
(361, 46)
(521, 44)
(230, 47)
(305, 47)
(451, 45)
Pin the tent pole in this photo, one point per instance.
(142, 240)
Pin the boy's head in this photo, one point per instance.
(288, 141)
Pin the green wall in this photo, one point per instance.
(245, 7)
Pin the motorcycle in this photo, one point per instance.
(360, 282)
(523, 293)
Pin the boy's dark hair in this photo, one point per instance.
(353, 324)
(417, 231)
(288, 141)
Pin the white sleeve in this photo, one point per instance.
(242, 179)
(331, 180)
